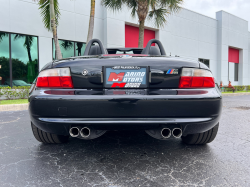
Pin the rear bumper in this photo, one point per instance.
(194, 112)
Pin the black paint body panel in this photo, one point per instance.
(158, 66)
(162, 99)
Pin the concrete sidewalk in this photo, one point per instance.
(14, 107)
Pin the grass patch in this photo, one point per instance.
(234, 92)
(10, 102)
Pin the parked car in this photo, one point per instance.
(2, 85)
(17, 83)
(85, 96)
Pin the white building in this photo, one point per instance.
(222, 43)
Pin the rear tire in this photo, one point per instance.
(201, 138)
(46, 137)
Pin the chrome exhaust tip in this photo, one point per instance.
(177, 132)
(74, 131)
(85, 132)
(166, 133)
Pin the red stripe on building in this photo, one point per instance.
(132, 36)
(233, 55)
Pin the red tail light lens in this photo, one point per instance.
(196, 78)
(55, 78)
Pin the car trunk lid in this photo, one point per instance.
(94, 73)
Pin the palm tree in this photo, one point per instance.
(50, 13)
(91, 21)
(27, 43)
(79, 48)
(67, 44)
(2, 35)
(153, 9)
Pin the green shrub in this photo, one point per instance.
(228, 90)
(240, 88)
(1, 93)
(20, 92)
(7, 92)
(248, 88)
(23, 93)
(21, 87)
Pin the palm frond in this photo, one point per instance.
(152, 3)
(159, 9)
(28, 40)
(67, 44)
(114, 5)
(132, 4)
(159, 16)
(2, 35)
(57, 11)
(172, 5)
(44, 7)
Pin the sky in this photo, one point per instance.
(240, 8)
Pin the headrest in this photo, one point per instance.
(95, 50)
(154, 51)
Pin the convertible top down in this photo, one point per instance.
(125, 88)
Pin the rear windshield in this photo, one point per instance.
(125, 51)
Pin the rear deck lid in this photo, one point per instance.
(131, 72)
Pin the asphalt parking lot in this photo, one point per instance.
(130, 158)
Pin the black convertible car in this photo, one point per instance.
(121, 89)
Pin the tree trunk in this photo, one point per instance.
(79, 48)
(54, 30)
(29, 55)
(142, 12)
(141, 34)
(91, 21)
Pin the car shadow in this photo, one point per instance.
(118, 157)
(124, 147)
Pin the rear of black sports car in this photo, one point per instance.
(86, 96)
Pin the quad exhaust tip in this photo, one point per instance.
(166, 133)
(74, 131)
(85, 132)
(177, 132)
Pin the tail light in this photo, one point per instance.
(196, 78)
(55, 78)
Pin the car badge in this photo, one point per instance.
(172, 71)
(85, 72)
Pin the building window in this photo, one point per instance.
(236, 72)
(205, 61)
(69, 48)
(4, 59)
(24, 55)
(18, 59)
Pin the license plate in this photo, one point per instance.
(126, 77)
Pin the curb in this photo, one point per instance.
(235, 94)
(14, 107)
